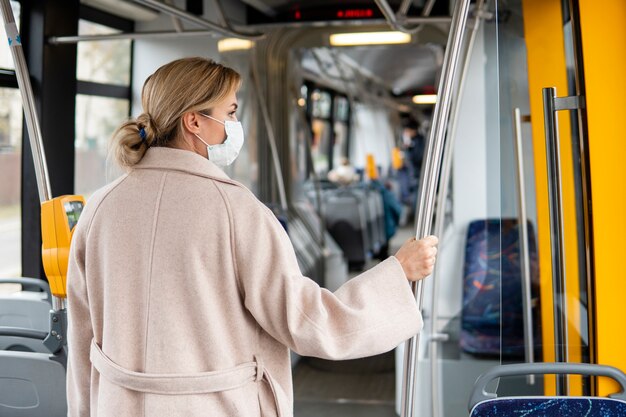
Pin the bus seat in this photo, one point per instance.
(346, 222)
(334, 266)
(492, 273)
(368, 204)
(28, 310)
(487, 404)
(32, 384)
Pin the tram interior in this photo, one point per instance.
(338, 116)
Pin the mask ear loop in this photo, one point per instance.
(212, 118)
(202, 140)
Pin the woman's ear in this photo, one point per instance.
(190, 122)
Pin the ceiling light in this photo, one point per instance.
(233, 44)
(369, 38)
(425, 99)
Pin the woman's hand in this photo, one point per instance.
(417, 257)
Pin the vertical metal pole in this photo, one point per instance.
(282, 194)
(429, 181)
(30, 114)
(28, 101)
(556, 232)
(529, 352)
(446, 167)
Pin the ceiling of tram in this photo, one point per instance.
(404, 69)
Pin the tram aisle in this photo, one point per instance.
(361, 387)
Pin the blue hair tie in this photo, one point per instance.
(142, 134)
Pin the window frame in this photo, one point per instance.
(90, 88)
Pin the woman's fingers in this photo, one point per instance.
(417, 257)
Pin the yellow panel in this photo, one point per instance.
(543, 29)
(56, 236)
(603, 27)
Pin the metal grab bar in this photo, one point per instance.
(58, 40)
(28, 102)
(529, 342)
(556, 232)
(176, 12)
(270, 135)
(552, 104)
(444, 186)
(397, 21)
(30, 114)
(431, 170)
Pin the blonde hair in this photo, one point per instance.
(184, 85)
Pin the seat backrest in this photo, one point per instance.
(492, 273)
(549, 406)
(32, 385)
(26, 314)
(486, 404)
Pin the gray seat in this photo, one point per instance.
(378, 214)
(346, 221)
(335, 268)
(370, 215)
(26, 310)
(32, 384)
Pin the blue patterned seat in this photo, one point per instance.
(486, 404)
(550, 407)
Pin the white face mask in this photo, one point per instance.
(225, 153)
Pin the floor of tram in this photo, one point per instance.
(361, 387)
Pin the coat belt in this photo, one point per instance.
(182, 384)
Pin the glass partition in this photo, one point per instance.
(541, 300)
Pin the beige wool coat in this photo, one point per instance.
(185, 296)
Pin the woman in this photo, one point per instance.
(184, 291)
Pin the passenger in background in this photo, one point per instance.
(184, 292)
(344, 174)
(409, 175)
(392, 210)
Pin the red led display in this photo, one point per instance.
(355, 13)
(297, 15)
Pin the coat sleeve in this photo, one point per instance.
(80, 330)
(370, 314)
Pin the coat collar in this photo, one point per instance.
(181, 160)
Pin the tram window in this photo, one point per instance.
(341, 109)
(321, 142)
(340, 146)
(10, 170)
(321, 104)
(105, 62)
(6, 60)
(96, 120)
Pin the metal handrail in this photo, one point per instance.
(282, 194)
(557, 238)
(28, 102)
(30, 114)
(393, 18)
(57, 40)
(429, 181)
(446, 169)
(529, 353)
(174, 11)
